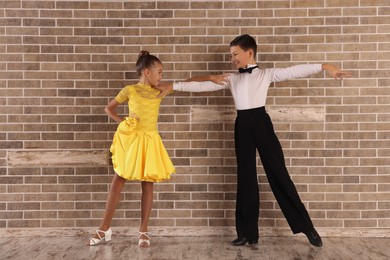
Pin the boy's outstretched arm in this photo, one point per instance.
(220, 79)
(335, 72)
(196, 84)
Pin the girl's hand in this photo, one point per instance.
(220, 79)
(335, 72)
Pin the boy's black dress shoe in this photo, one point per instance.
(314, 237)
(242, 241)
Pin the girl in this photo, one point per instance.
(137, 150)
(254, 131)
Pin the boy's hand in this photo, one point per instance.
(165, 89)
(335, 72)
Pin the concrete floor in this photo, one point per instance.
(202, 248)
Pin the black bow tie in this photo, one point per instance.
(249, 70)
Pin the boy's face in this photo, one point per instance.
(241, 58)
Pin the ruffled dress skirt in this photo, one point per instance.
(140, 155)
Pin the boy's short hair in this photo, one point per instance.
(245, 42)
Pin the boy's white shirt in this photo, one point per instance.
(249, 90)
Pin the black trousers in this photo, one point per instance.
(254, 130)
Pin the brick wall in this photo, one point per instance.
(62, 61)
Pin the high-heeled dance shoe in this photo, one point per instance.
(143, 242)
(96, 241)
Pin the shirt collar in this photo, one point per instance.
(251, 65)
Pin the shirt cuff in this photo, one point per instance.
(318, 67)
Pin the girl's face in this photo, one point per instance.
(154, 74)
(241, 58)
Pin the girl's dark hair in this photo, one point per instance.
(245, 42)
(145, 61)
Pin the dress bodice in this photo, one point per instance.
(143, 104)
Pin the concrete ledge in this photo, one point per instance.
(278, 114)
(297, 114)
(22, 158)
(203, 114)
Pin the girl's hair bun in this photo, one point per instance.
(143, 53)
(145, 61)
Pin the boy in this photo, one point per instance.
(254, 130)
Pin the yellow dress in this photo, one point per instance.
(137, 150)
